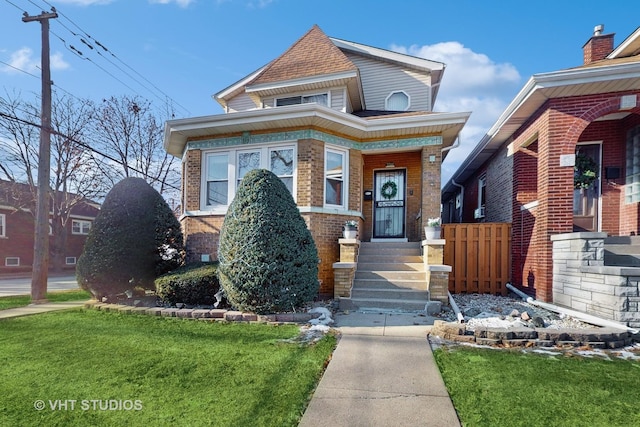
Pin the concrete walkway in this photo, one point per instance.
(382, 373)
(39, 308)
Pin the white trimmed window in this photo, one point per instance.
(632, 181)
(335, 180)
(223, 171)
(397, 101)
(70, 260)
(80, 226)
(320, 98)
(12, 261)
(3, 225)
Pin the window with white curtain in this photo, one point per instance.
(320, 98)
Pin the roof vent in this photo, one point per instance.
(597, 31)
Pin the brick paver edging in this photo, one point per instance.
(602, 338)
(219, 315)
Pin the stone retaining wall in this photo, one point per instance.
(205, 314)
(583, 283)
(604, 338)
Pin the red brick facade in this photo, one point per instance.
(542, 189)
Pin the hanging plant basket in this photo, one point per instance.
(584, 174)
(389, 190)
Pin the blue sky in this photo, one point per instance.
(187, 50)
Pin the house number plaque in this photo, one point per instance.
(390, 204)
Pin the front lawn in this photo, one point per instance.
(55, 296)
(509, 388)
(87, 367)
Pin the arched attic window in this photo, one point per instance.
(397, 101)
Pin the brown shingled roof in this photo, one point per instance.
(312, 55)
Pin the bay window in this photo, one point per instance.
(223, 171)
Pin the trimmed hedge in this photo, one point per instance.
(268, 259)
(193, 284)
(134, 239)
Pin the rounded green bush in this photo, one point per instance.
(193, 284)
(268, 259)
(134, 238)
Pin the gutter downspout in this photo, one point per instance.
(578, 315)
(456, 144)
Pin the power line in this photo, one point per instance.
(88, 147)
(16, 6)
(106, 50)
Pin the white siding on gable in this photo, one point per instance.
(241, 102)
(337, 97)
(379, 79)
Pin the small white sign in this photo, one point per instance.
(567, 160)
(628, 101)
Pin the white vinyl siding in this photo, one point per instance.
(379, 79)
(338, 99)
(241, 102)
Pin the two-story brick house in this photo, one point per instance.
(338, 122)
(17, 228)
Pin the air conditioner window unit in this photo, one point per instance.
(478, 213)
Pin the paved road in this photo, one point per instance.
(22, 286)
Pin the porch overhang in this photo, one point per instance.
(409, 125)
(540, 88)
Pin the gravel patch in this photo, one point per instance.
(483, 310)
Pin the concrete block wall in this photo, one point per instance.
(583, 283)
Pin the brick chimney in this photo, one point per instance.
(598, 46)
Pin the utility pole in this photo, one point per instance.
(40, 269)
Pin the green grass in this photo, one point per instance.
(57, 296)
(181, 372)
(510, 388)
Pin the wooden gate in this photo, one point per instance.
(480, 257)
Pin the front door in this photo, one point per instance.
(389, 204)
(586, 193)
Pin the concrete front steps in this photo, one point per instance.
(389, 276)
(622, 251)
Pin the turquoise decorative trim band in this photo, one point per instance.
(267, 138)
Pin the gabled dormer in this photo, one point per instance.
(345, 76)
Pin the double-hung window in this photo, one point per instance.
(3, 225)
(217, 179)
(80, 227)
(223, 171)
(335, 166)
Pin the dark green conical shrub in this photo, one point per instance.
(268, 259)
(135, 238)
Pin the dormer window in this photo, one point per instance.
(321, 98)
(397, 101)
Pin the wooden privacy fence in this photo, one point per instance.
(479, 256)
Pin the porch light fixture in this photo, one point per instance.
(390, 165)
(432, 158)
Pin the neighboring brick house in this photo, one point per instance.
(337, 121)
(563, 157)
(17, 230)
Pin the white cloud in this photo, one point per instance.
(472, 82)
(181, 3)
(23, 60)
